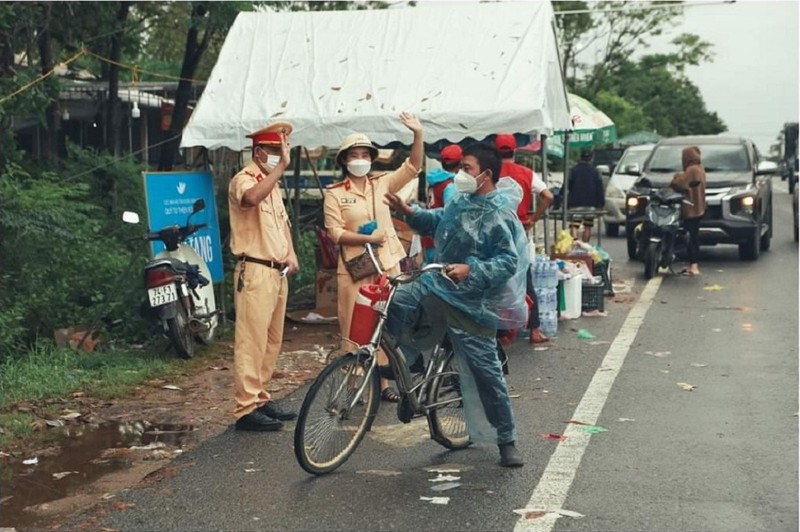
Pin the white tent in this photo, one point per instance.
(466, 69)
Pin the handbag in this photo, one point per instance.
(361, 266)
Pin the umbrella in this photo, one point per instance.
(554, 148)
(640, 137)
(590, 125)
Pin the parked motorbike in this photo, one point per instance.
(179, 292)
(661, 235)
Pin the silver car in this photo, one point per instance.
(627, 171)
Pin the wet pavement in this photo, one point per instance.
(86, 453)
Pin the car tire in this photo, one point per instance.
(612, 230)
(765, 239)
(751, 249)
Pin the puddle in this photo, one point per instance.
(87, 453)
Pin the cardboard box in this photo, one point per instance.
(574, 258)
(326, 300)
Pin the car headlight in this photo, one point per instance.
(743, 204)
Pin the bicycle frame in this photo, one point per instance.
(403, 377)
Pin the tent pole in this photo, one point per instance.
(296, 213)
(546, 179)
(565, 184)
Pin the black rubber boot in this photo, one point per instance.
(509, 456)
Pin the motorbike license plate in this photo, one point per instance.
(161, 295)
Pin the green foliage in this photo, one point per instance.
(672, 104)
(306, 249)
(47, 371)
(628, 116)
(62, 253)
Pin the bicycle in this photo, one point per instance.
(343, 400)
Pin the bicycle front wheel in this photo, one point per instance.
(332, 421)
(447, 422)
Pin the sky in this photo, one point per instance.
(752, 83)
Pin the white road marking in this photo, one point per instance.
(552, 489)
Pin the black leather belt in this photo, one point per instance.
(269, 263)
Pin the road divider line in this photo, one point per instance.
(551, 491)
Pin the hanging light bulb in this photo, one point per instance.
(135, 112)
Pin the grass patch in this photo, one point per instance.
(17, 426)
(47, 372)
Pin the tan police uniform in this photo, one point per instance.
(261, 233)
(347, 209)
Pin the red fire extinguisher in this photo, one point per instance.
(365, 315)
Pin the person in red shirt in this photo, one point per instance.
(441, 188)
(530, 184)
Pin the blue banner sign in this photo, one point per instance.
(170, 196)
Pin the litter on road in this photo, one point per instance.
(172, 387)
(698, 365)
(31, 461)
(552, 436)
(624, 419)
(593, 429)
(535, 513)
(446, 486)
(435, 500)
(713, 288)
(583, 334)
(444, 478)
(686, 386)
(379, 473)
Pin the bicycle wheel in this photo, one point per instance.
(328, 430)
(447, 423)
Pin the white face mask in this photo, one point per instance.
(359, 167)
(272, 161)
(465, 183)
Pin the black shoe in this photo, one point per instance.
(276, 412)
(509, 456)
(257, 421)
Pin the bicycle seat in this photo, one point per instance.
(430, 324)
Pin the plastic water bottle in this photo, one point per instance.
(548, 321)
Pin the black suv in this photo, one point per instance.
(738, 191)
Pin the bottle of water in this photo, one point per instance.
(548, 321)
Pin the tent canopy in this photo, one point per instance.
(466, 69)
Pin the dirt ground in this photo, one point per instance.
(201, 402)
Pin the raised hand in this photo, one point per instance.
(285, 151)
(411, 122)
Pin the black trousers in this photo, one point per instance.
(692, 226)
(533, 319)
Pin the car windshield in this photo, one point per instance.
(717, 158)
(633, 157)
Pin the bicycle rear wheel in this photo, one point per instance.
(328, 428)
(447, 423)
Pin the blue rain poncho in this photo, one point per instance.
(484, 233)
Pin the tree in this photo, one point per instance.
(628, 116)
(672, 103)
(205, 20)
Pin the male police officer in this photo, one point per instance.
(261, 240)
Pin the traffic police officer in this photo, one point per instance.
(261, 240)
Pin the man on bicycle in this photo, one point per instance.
(483, 242)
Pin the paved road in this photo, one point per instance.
(721, 457)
